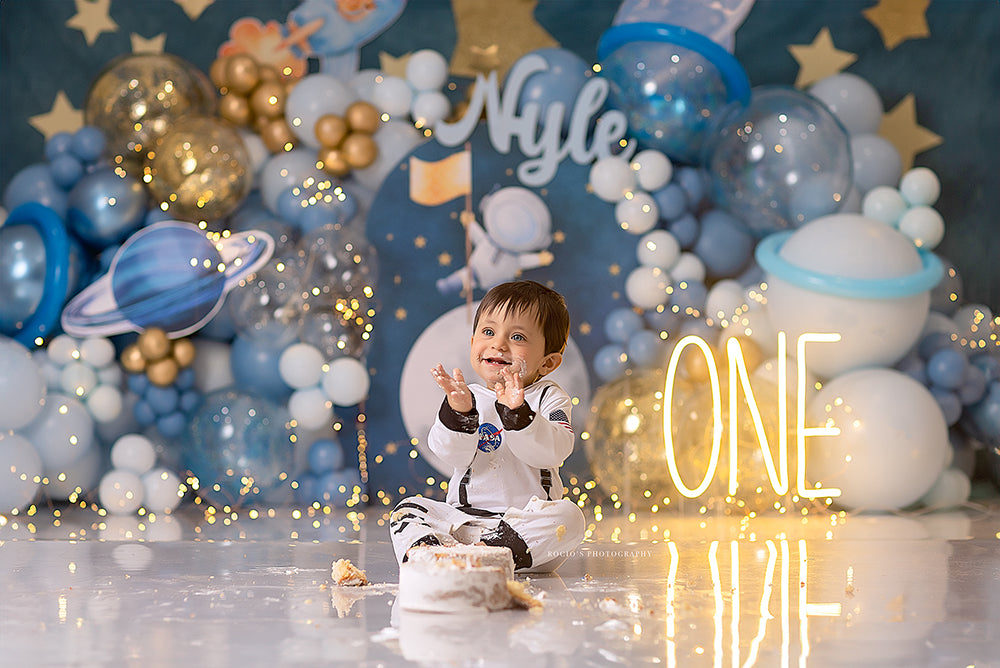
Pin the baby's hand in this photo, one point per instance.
(509, 390)
(456, 390)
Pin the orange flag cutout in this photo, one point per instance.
(434, 183)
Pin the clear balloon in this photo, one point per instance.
(338, 260)
(336, 333)
(288, 169)
(779, 162)
(671, 83)
(268, 305)
(240, 447)
(892, 445)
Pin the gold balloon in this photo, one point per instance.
(235, 108)
(132, 359)
(628, 457)
(268, 99)
(217, 72)
(138, 98)
(334, 162)
(360, 150)
(199, 169)
(183, 353)
(362, 117)
(268, 73)
(153, 344)
(276, 135)
(242, 73)
(330, 130)
(162, 372)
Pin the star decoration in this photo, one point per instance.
(819, 59)
(420, 242)
(152, 45)
(194, 8)
(92, 18)
(393, 66)
(401, 314)
(61, 118)
(899, 20)
(444, 259)
(899, 126)
(493, 35)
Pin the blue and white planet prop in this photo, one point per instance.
(169, 275)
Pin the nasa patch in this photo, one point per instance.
(489, 437)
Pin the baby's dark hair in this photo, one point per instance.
(546, 304)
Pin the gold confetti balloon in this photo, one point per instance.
(628, 456)
(137, 98)
(198, 170)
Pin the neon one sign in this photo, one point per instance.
(777, 468)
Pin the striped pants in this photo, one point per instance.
(540, 536)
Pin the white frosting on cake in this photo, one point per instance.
(462, 578)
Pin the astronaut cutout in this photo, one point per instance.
(517, 232)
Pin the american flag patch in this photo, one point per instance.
(560, 417)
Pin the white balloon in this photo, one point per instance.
(120, 492)
(924, 225)
(920, 187)
(658, 248)
(952, 488)
(646, 287)
(427, 70)
(314, 96)
(23, 385)
(71, 482)
(637, 214)
(363, 83)
(883, 204)
(20, 472)
(162, 490)
(310, 407)
(63, 349)
(393, 96)
(611, 177)
(893, 440)
(688, 267)
(62, 432)
(105, 403)
(77, 379)
(346, 381)
(301, 365)
(429, 107)
(853, 100)
(133, 452)
(212, 367)
(724, 299)
(97, 351)
(652, 169)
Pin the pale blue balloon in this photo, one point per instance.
(326, 454)
(853, 100)
(105, 208)
(62, 432)
(337, 487)
(621, 323)
(34, 183)
(255, 367)
(22, 385)
(876, 162)
(724, 244)
(287, 169)
(610, 362)
(646, 348)
(559, 84)
(22, 275)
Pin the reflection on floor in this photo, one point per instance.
(83, 590)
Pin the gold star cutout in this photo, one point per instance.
(401, 314)
(395, 67)
(899, 20)
(819, 59)
(152, 45)
(899, 126)
(194, 8)
(92, 18)
(493, 35)
(61, 118)
(614, 270)
(559, 236)
(420, 242)
(585, 328)
(444, 259)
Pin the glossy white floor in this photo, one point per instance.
(77, 589)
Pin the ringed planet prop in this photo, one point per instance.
(170, 275)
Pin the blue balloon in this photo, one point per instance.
(144, 413)
(946, 368)
(305, 492)
(665, 320)
(793, 166)
(325, 455)
(671, 200)
(973, 386)
(239, 446)
(724, 245)
(646, 348)
(985, 415)
(671, 83)
(58, 144)
(88, 144)
(333, 209)
(22, 283)
(256, 369)
(66, 170)
(951, 405)
(34, 183)
(105, 208)
(559, 84)
(189, 400)
(933, 342)
(621, 324)
(138, 383)
(914, 367)
(989, 365)
(337, 487)
(686, 230)
(694, 182)
(172, 424)
(610, 362)
(288, 204)
(162, 400)
(185, 379)
(688, 298)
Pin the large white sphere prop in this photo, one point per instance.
(162, 490)
(874, 331)
(20, 472)
(893, 440)
(121, 492)
(22, 385)
(346, 381)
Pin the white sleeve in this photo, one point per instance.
(548, 439)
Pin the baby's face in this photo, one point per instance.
(512, 341)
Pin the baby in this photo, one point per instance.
(505, 440)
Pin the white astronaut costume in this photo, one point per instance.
(505, 489)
